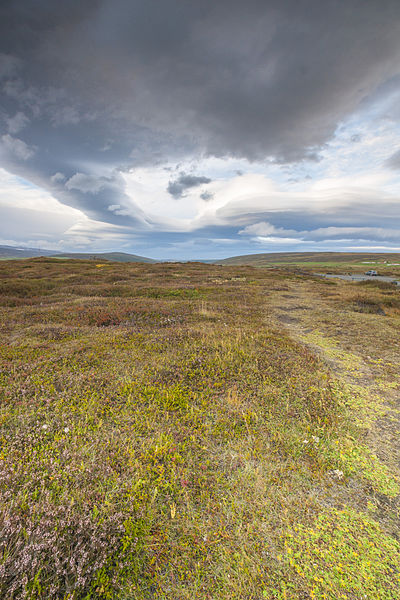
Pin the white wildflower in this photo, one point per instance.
(45, 426)
(66, 429)
(315, 438)
(337, 473)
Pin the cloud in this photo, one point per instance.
(66, 115)
(265, 79)
(17, 122)
(278, 240)
(368, 233)
(85, 183)
(261, 228)
(184, 182)
(9, 65)
(17, 147)
(355, 138)
(326, 209)
(96, 195)
(264, 231)
(57, 177)
(92, 91)
(117, 210)
(394, 161)
(372, 248)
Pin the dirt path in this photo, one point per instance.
(361, 350)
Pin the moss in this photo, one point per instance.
(343, 554)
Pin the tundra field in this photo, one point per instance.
(197, 432)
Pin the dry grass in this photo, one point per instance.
(163, 436)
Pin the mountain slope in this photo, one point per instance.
(7, 252)
(114, 256)
(15, 252)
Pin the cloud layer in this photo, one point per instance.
(94, 93)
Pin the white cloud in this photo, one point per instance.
(224, 241)
(262, 228)
(265, 232)
(375, 248)
(277, 240)
(87, 232)
(32, 217)
(19, 193)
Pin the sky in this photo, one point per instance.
(181, 129)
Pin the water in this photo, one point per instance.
(357, 277)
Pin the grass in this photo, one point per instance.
(335, 262)
(164, 437)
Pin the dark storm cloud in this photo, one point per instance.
(93, 87)
(185, 181)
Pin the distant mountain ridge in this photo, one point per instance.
(15, 252)
(271, 258)
(114, 256)
(19, 252)
(260, 260)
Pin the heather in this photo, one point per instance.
(179, 431)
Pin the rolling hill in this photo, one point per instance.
(10, 252)
(293, 258)
(15, 252)
(113, 256)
